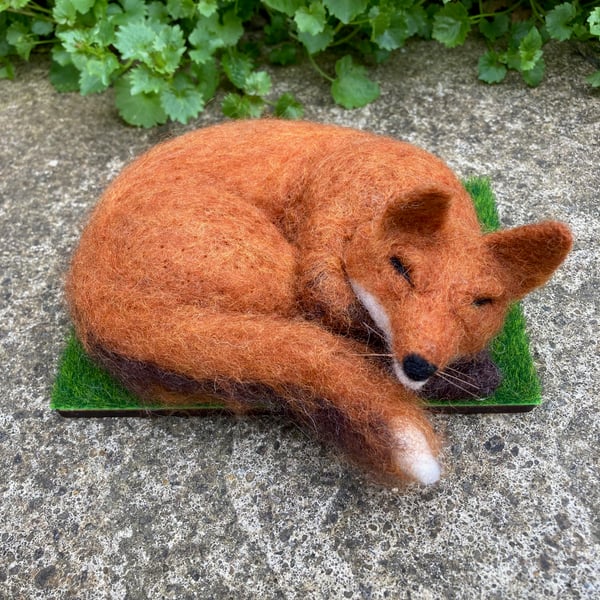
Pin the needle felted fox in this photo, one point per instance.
(250, 260)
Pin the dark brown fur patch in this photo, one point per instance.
(143, 379)
(335, 427)
(473, 377)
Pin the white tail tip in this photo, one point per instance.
(414, 456)
(426, 470)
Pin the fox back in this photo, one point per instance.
(252, 260)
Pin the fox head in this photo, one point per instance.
(435, 285)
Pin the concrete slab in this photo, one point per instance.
(219, 507)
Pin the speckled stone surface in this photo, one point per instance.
(219, 507)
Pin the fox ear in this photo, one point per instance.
(530, 254)
(421, 210)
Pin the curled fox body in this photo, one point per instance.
(251, 259)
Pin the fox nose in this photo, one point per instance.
(417, 368)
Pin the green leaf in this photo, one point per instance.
(61, 56)
(491, 69)
(289, 7)
(142, 110)
(513, 59)
(133, 11)
(417, 21)
(182, 101)
(144, 81)
(534, 76)
(594, 22)
(346, 10)
(19, 36)
(157, 45)
(135, 41)
(530, 49)
(250, 48)
(287, 107)
(65, 11)
(580, 31)
(82, 6)
(210, 34)
(245, 9)
(558, 19)
(352, 88)
(237, 67)
(257, 84)
(381, 56)
(207, 76)
(7, 70)
(277, 30)
(75, 41)
(205, 39)
(518, 31)
(207, 8)
(594, 79)
(451, 25)
(167, 48)
(96, 77)
(200, 55)
(64, 78)
(496, 28)
(181, 9)
(311, 19)
(41, 27)
(231, 29)
(242, 107)
(317, 43)
(390, 30)
(285, 54)
(103, 32)
(6, 4)
(5, 48)
(155, 11)
(380, 24)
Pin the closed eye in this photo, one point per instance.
(401, 268)
(483, 301)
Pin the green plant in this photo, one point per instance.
(167, 58)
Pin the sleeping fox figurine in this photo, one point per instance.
(252, 260)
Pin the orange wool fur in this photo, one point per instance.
(251, 259)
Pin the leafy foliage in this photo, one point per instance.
(352, 88)
(167, 58)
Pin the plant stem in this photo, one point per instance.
(318, 69)
(344, 39)
(126, 66)
(39, 8)
(537, 11)
(33, 15)
(481, 15)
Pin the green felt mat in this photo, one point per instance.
(83, 389)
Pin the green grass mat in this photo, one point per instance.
(83, 389)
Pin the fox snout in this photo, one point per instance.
(417, 368)
(413, 370)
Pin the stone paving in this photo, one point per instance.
(221, 507)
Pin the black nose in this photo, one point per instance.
(417, 368)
